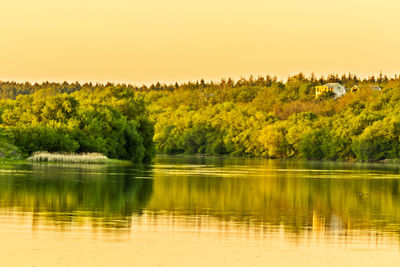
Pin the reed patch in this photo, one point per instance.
(84, 158)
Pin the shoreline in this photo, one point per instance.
(205, 157)
(26, 161)
(353, 161)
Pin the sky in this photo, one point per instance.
(146, 41)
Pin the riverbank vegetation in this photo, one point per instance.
(260, 116)
(111, 120)
(85, 158)
(267, 118)
(7, 149)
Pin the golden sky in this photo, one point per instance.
(178, 40)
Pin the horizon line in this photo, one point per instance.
(234, 79)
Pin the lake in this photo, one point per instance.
(199, 211)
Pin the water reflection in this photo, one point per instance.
(248, 196)
(68, 195)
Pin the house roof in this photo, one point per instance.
(375, 87)
(331, 84)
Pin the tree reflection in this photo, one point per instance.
(297, 196)
(71, 194)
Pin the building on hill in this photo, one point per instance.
(375, 87)
(336, 88)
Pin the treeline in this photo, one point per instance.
(112, 120)
(250, 117)
(10, 90)
(268, 118)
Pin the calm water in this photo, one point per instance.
(199, 212)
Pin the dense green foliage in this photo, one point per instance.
(267, 118)
(250, 117)
(111, 120)
(7, 149)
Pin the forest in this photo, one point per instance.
(110, 120)
(257, 117)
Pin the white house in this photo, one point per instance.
(336, 88)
